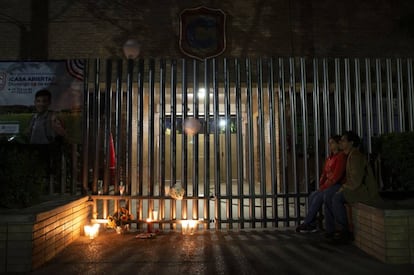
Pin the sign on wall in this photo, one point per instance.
(30, 116)
(202, 32)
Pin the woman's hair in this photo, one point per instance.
(337, 138)
(352, 136)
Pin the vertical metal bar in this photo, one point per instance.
(272, 133)
(326, 109)
(338, 104)
(368, 103)
(97, 122)
(173, 137)
(347, 99)
(400, 99)
(294, 138)
(239, 144)
(207, 143)
(216, 145)
(118, 123)
(162, 138)
(316, 119)
(229, 203)
(380, 111)
(262, 157)
(128, 133)
(410, 94)
(390, 98)
(358, 104)
(184, 152)
(283, 134)
(195, 141)
(140, 128)
(108, 124)
(119, 138)
(107, 133)
(86, 130)
(304, 122)
(250, 138)
(151, 136)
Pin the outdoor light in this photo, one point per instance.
(91, 231)
(222, 123)
(201, 93)
(131, 49)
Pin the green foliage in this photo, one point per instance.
(72, 122)
(23, 171)
(397, 158)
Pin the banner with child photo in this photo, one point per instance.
(41, 102)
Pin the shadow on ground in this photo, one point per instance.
(272, 251)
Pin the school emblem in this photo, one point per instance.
(202, 32)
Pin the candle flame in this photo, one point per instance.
(91, 231)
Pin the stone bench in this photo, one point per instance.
(385, 231)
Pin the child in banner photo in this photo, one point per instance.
(45, 127)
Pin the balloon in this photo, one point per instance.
(192, 126)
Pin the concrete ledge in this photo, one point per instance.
(385, 231)
(32, 236)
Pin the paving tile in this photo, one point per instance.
(278, 251)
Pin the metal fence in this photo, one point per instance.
(265, 125)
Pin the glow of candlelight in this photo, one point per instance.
(91, 231)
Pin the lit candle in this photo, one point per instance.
(155, 215)
(192, 225)
(91, 230)
(149, 225)
(184, 226)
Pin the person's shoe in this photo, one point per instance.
(304, 228)
(329, 235)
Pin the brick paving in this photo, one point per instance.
(261, 251)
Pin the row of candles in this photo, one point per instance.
(188, 227)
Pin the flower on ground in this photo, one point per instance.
(120, 217)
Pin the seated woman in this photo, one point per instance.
(360, 185)
(329, 183)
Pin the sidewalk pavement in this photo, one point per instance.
(252, 251)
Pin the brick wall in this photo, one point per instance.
(90, 29)
(387, 234)
(31, 237)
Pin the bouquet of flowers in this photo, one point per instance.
(119, 218)
(176, 192)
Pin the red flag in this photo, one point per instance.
(112, 158)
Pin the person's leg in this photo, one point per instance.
(339, 211)
(344, 236)
(315, 204)
(329, 215)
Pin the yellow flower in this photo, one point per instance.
(120, 217)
